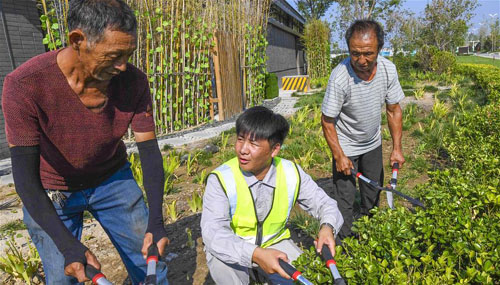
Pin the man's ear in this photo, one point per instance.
(76, 39)
(275, 149)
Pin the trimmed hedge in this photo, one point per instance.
(487, 77)
(456, 239)
(272, 90)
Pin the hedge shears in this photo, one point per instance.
(294, 273)
(332, 265)
(390, 189)
(98, 278)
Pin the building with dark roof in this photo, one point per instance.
(285, 52)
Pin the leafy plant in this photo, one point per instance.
(306, 160)
(439, 109)
(419, 93)
(135, 166)
(17, 265)
(195, 203)
(313, 267)
(172, 211)
(386, 135)
(191, 163)
(305, 222)
(201, 177)
(190, 242)
(170, 164)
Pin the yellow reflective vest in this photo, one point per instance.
(242, 209)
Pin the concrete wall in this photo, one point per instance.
(284, 51)
(20, 40)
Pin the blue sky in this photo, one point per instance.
(482, 12)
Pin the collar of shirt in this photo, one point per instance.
(269, 180)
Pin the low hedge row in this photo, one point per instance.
(456, 239)
(486, 76)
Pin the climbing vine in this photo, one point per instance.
(175, 40)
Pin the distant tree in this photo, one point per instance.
(313, 9)
(382, 11)
(494, 34)
(405, 30)
(482, 34)
(445, 23)
(486, 45)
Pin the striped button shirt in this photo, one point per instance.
(356, 104)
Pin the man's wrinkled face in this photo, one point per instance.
(363, 48)
(254, 155)
(108, 56)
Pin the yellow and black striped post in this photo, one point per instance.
(298, 82)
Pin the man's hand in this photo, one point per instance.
(77, 270)
(267, 259)
(325, 237)
(344, 165)
(397, 156)
(148, 240)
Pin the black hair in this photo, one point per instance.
(363, 26)
(261, 123)
(93, 17)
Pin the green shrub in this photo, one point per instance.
(321, 82)
(486, 76)
(271, 86)
(430, 58)
(442, 62)
(404, 64)
(456, 239)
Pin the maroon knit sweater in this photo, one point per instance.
(79, 148)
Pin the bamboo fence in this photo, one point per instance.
(175, 42)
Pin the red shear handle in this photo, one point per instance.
(153, 252)
(95, 275)
(395, 166)
(290, 270)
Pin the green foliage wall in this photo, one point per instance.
(316, 40)
(271, 86)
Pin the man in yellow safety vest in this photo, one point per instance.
(248, 200)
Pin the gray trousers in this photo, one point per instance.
(230, 274)
(344, 187)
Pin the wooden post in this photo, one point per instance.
(218, 81)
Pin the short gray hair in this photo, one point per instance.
(93, 17)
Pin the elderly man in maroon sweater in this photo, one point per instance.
(65, 114)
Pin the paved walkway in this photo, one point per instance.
(284, 107)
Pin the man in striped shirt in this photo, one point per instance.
(357, 90)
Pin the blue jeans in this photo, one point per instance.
(118, 205)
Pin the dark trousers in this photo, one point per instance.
(344, 187)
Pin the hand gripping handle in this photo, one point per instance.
(289, 269)
(95, 275)
(151, 261)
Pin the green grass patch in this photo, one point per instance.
(430, 88)
(13, 226)
(478, 60)
(310, 100)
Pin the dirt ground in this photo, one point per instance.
(185, 258)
